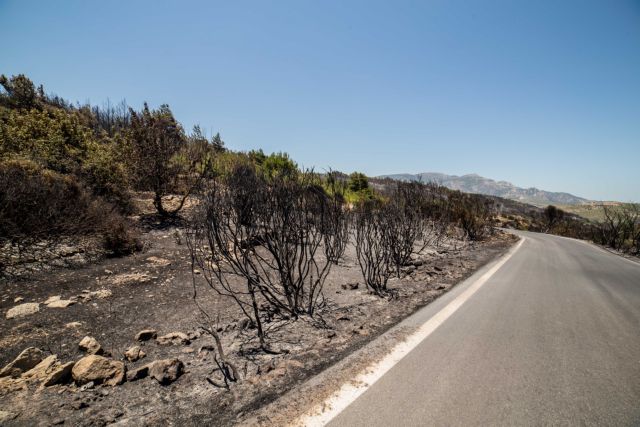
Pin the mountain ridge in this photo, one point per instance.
(474, 183)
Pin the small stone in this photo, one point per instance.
(173, 338)
(29, 358)
(146, 335)
(18, 299)
(166, 371)
(99, 294)
(73, 325)
(188, 350)
(134, 353)
(158, 262)
(90, 345)
(87, 386)
(23, 310)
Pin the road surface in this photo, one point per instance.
(552, 338)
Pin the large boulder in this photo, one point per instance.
(23, 310)
(174, 338)
(26, 360)
(90, 345)
(166, 371)
(99, 370)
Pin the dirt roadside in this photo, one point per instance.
(115, 299)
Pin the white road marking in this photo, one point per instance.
(322, 414)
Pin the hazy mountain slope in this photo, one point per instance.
(473, 183)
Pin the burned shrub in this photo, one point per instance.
(41, 206)
(372, 246)
(336, 228)
(119, 238)
(37, 203)
(408, 228)
(473, 215)
(258, 240)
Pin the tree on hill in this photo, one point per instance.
(20, 92)
(358, 182)
(156, 140)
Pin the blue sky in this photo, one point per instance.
(538, 93)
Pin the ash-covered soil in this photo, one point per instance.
(114, 299)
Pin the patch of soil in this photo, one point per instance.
(115, 299)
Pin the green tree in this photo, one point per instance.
(20, 91)
(358, 182)
(279, 164)
(156, 140)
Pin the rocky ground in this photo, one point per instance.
(120, 341)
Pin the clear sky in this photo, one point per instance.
(538, 93)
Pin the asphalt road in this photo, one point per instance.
(552, 338)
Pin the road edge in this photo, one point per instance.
(390, 347)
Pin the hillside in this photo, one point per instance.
(473, 183)
(595, 211)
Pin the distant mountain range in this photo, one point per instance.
(473, 183)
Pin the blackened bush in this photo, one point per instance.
(265, 231)
(473, 214)
(119, 238)
(37, 204)
(373, 249)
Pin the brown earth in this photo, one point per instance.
(114, 299)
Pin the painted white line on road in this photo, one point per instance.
(323, 413)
